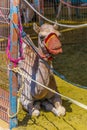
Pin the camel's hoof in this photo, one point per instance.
(61, 111)
(36, 113)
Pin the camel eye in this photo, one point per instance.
(42, 38)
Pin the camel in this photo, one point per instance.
(33, 95)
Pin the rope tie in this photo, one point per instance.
(14, 115)
(16, 70)
(16, 60)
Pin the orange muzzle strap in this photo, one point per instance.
(52, 43)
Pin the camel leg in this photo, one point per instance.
(27, 100)
(57, 102)
(49, 107)
(55, 99)
(30, 107)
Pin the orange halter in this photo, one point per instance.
(50, 41)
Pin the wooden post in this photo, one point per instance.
(14, 6)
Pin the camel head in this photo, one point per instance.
(48, 37)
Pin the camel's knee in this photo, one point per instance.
(56, 100)
(34, 112)
(57, 103)
(61, 111)
(30, 107)
(33, 109)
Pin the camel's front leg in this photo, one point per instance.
(34, 109)
(57, 102)
(49, 107)
(31, 107)
(55, 99)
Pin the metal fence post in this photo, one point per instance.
(39, 5)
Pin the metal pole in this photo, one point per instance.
(41, 10)
(39, 5)
(14, 6)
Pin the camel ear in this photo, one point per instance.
(36, 28)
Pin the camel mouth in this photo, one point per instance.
(57, 48)
(56, 51)
(53, 44)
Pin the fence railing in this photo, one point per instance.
(4, 105)
(4, 20)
